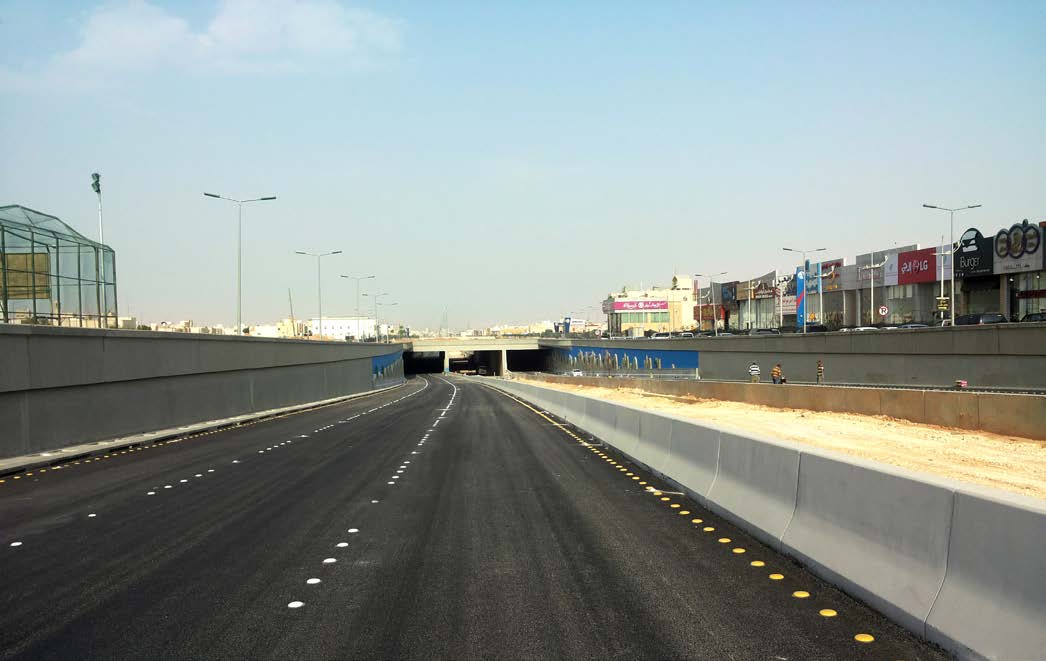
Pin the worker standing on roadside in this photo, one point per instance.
(775, 373)
(820, 372)
(753, 373)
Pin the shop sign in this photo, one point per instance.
(917, 266)
(728, 293)
(1032, 293)
(974, 255)
(887, 273)
(832, 276)
(1018, 249)
(630, 306)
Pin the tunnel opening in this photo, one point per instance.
(530, 360)
(422, 362)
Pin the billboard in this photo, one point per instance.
(974, 255)
(917, 266)
(26, 272)
(728, 293)
(1018, 248)
(800, 299)
(636, 306)
(762, 287)
(832, 276)
(887, 273)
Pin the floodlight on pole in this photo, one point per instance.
(239, 250)
(951, 230)
(357, 278)
(319, 279)
(715, 320)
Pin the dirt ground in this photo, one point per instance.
(1004, 462)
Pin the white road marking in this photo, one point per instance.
(150, 493)
(342, 545)
(354, 530)
(313, 581)
(183, 480)
(296, 604)
(166, 486)
(210, 470)
(329, 561)
(91, 515)
(16, 543)
(199, 475)
(373, 501)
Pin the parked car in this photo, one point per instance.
(816, 328)
(661, 336)
(686, 334)
(763, 331)
(864, 328)
(1034, 316)
(913, 326)
(980, 319)
(576, 373)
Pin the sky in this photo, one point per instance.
(510, 162)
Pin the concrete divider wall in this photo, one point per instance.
(1000, 413)
(963, 566)
(63, 386)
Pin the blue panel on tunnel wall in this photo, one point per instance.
(646, 358)
(378, 363)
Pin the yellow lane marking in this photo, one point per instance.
(827, 612)
(674, 505)
(708, 529)
(697, 520)
(725, 540)
(684, 512)
(776, 577)
(864, 638)
(800, 594)
(665, 499)
(739, 550)
(757, 563)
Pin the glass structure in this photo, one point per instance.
(51, 274)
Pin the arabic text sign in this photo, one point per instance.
(629, 306)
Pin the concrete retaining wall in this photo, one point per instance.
(999, 355)
(62, 386)
(962, 566)
(1014, 415)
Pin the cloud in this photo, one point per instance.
(258, 36)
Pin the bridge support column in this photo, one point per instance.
(504, 363)
(446, 362)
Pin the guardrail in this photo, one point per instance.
(961, 565)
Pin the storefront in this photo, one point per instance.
(756, 302)
(1018, 254)
(975, 276)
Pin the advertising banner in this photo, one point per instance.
(887, 273)
(917, 266)
(756, 288)
(832, 272)
(1018, 249)
(633, 306)
(728, 293)
(974, 255)
(800, 297)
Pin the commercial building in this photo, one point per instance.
(343, 328)
(1003, 271)
(654, 310)
(52, 274)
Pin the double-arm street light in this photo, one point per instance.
(711, 291)
(820, 306)
(951, 230)
(239, 251)
(357, 278)
(319, 280)
(376, 297)
(385, 305)
(871, 269)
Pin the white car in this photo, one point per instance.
(576, 373)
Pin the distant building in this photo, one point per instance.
(342, 328)
(657, 309)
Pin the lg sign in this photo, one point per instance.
(917, 266)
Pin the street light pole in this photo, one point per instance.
(239, 251)
(806, 275)
(951, 230)
(871, 305)
(715, 320)
(319, 279)
(386, 305)
(357, 278)
(376, 297)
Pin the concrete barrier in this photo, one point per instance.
(993, 602)
(693, 457)
(755, 484)
(601, 417)
(962, 566)
(880, 534)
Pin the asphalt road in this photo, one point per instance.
(442, 519)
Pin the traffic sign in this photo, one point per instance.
(942, 303)
(883, 310)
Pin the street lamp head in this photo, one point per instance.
(973, 206)
(264, 199)
(930, 206)
(212, 195)
(300, 252)
(336, 252)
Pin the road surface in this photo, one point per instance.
(441, 519)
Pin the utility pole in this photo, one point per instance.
(871, 269)
(951, 226)
(103, 302)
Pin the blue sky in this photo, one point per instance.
(511, 162)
